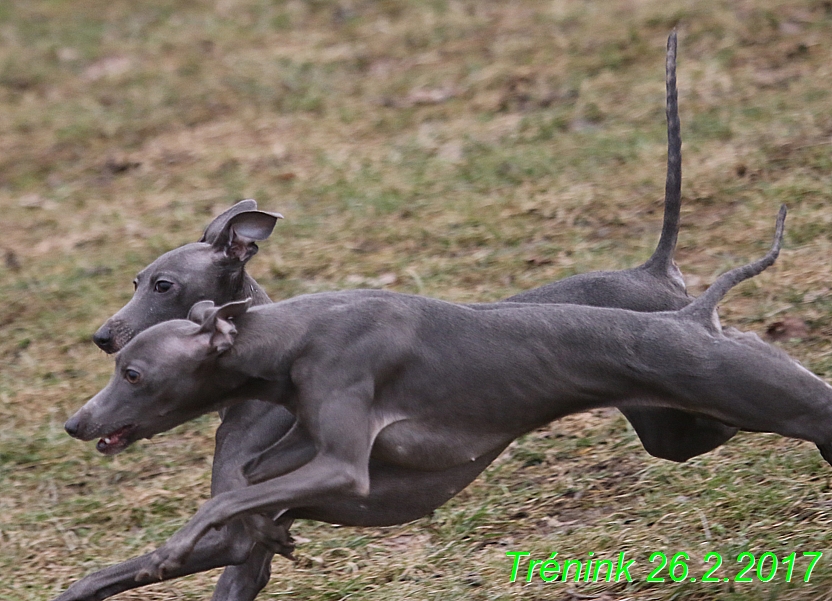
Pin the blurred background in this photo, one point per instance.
(463, 149)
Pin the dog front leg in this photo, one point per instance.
(338, 422)
(293, 450)
(322, 477)
(228, 546)
(247, 429)
(244, 582)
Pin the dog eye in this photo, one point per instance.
(163, 286)
(132, 376)
(135, 285)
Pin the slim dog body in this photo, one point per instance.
(214, 269)
(429, 385)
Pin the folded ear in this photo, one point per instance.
(200, 310)
(237, 238)
(214, 228)
(217, 323)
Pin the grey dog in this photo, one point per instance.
(214, 269)
(428, 385)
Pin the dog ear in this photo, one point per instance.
(238, 236)
(217, 323)
(213, 229)
(199, 311)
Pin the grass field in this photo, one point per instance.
(466, 150)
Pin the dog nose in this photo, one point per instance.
(72, 425)
(103, 338)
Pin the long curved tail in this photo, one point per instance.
(703, 307)
(662, 259)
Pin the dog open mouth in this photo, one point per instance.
(116, 442)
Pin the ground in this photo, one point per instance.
(466, 150)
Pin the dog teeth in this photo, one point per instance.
(107, 440)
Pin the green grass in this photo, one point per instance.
(124, 128)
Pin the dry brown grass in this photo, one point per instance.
(465, 150)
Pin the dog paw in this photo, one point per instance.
(163, 564)
(273, 535)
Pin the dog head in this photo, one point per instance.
(165, 376)
(211, 269)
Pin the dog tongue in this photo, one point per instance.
(112, 441)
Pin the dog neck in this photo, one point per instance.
(249, 288)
